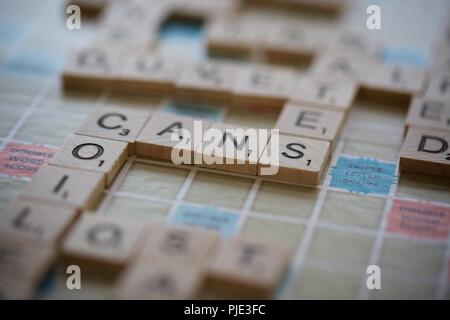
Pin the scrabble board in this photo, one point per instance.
(373, 200)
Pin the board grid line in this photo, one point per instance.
(303, 247)
(181, 194)
(374, 258)
(248, 204)
(44, 90)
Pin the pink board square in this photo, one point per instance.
(23, 160)
(419, 219)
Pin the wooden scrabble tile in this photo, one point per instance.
(209, 81)
(430, 113)
(36, 222)
(310, 122)
(264, 87)
(426, 151)
(439, 87)
(299, 160)
(226, 149)
(159, 280)
(386, 79)
(232, 37)
(326, 93)
(155, 140)
(340, 66)
(102, 242)
(22, 266)
(291, 43)
(247, 267)
(92, 68)
(94, 154)
(70, 187)
(148, 73)
(179, 245)
(115, 123)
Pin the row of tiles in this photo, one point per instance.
(332, 83)
(262, 86)
(308, 134)
(140, 10)
(140, 261)
(426, 148)
(119, 131)
(347, 55)
(110, 134)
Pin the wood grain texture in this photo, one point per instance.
(429, 113)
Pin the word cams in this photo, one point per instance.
(232, 310)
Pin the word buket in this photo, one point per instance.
(232, 146)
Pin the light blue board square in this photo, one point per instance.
(224, 222)
(404, 56)
(363, 175)
(36, 62)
